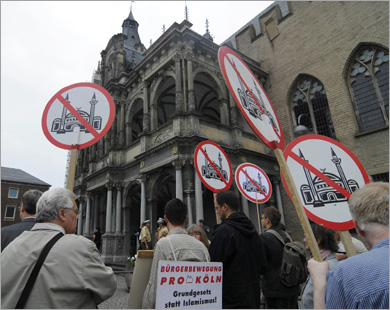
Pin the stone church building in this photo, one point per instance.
(323, 65)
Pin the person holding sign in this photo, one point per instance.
(361, 281)
(236, 243)
(178, 245)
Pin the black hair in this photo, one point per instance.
(176, 211)
(230, 198)
(273, 214)
(326, 236)
(30, 199)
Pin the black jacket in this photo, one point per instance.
(237, 245)
(271, 285)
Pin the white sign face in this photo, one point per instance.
(253, 183)
(189, 285)
(85, 105)
(325, 174)
(213, 166)
(251, 98)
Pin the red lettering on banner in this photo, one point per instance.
(197, 280)
(219, 279)
(162, 269)
(180, 280)
(163, 280)
(171, 281)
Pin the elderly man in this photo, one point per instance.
(27, 215)
(361, 281)
(73, 274)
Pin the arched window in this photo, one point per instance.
(206, 97)
(137, 119)
(368, 78)
(310, 107)
(166, 101)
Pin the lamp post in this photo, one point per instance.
(301, 130)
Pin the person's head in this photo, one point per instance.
(270, 217)
(369, 207)
(201, 223)
(58, 206)
(97, 229)
(198, 232)
(147, 223)
(325, 238)
(29, 203)
(160, 222)
(226, 203)
(176, 212)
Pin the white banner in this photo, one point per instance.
(189, 285)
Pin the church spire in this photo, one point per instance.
(130, 29)
(186, 12)
(207, 35)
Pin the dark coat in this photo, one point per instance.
(9, 233)
(271, 285)
(237, 245)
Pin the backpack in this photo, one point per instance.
(293, 270)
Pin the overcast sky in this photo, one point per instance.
(48, 45)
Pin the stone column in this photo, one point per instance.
(223, 112)
(179, 94)
(118, 220)
(88, 216)
(189, 205)
(191, 92)
(178, 164)
(80, 220)
(109, 208)
(122, 124)
(95, 211)
(146, 119)
(198, 198)
(143, 197)
(276, 182)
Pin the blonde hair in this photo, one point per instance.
(203, 236)
(370, 204)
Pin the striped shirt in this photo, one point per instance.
(360, 282)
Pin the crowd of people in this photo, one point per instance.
(251, 261)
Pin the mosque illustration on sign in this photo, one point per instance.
(68, 122)
(249, 186)
(209, 172)
(249, 102)
(317, 192)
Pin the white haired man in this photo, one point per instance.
(72, 275)
(361, 281)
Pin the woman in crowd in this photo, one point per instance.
(199, 233)
(328, 248)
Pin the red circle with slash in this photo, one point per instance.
(325, 173)
(213, 166)
(253, 183)
(86, 105)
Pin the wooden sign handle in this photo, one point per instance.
(298, 206)
(347, 242)
(71, 170)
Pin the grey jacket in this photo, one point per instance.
(72, 276)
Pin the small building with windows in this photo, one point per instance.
(14, 183)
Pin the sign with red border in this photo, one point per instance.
(253, 183)
(86, 105)
(213, 166)
(325, 174)
(251, 98)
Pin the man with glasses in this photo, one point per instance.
(27, 215)
(73, 274)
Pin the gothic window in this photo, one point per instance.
(166, 101)
(137, 119)
(310, 107)
(206, 98)
(368, 78)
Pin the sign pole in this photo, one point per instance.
(347, 242)
(73, 161)
(258, 216)
(298, 206)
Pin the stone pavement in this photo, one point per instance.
(120, 297)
